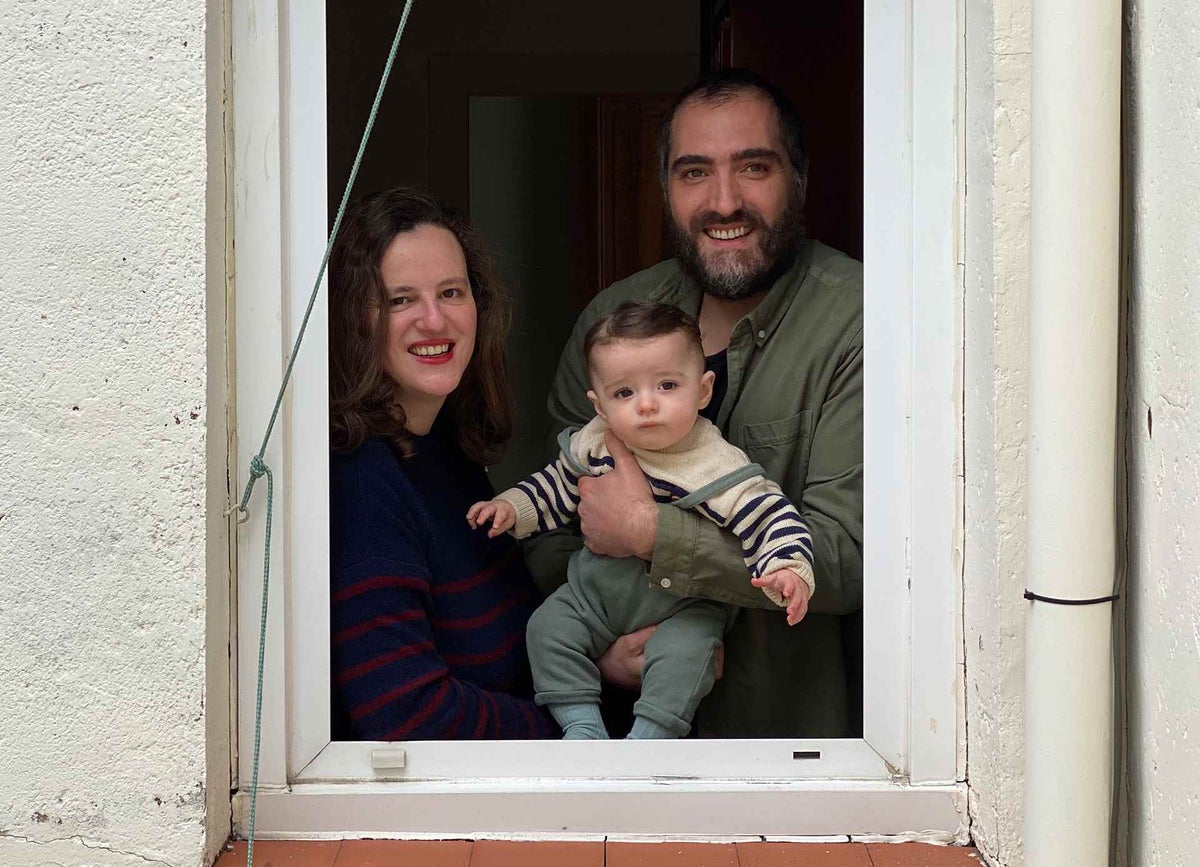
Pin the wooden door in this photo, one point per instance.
(632, 230)
(814, 53)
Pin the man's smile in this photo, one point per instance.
(719, 234)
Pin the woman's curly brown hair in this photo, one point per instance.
(363, 398)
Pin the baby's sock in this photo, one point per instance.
(647, 729)
(580, 721)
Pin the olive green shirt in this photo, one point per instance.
(794, 405)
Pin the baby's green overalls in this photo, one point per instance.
(606, 597)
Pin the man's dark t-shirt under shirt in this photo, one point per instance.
(718, 364)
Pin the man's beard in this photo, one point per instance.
(739, 274)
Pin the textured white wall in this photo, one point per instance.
(997, 383)
(102, 431)
(1163, 195)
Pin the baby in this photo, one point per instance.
(646, 368)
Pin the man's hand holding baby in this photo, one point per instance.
(791, 587)
(617, 513)
(500, 512)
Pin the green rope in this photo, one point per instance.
(258, 467)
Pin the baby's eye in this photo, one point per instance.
(669, 385)
(623, 393)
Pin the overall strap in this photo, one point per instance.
(715, 487)
(564, 446)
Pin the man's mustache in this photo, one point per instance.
(712, 220)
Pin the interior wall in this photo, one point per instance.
(1163, 286)
(359, 34)
(524, 154)
(103, 171)
(996, 359)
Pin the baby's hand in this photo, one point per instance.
(793, 590)
(501, 513)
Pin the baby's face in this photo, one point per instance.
(649, 391)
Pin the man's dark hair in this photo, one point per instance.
(722, 85)
(641, 320)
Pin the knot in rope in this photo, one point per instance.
(258, 467)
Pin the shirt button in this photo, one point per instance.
(665, 583)
(761, 335)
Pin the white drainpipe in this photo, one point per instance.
(1075, 200)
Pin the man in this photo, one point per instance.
(781, 321)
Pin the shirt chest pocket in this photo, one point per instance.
(781, 448)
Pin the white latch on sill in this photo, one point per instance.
(387, 760)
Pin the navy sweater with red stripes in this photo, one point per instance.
(428, 616)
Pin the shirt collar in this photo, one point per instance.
(763, 319)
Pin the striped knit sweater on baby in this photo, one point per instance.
(772, 533)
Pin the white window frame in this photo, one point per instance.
(905, 775)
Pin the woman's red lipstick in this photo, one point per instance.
(433, 356)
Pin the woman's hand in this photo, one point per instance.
(617, 513)
(792, 588)
(501, 512)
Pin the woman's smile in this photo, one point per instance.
(433, 351)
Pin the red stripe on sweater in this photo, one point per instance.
(356, 671)
(363, 628)
(493, 712)
(529, 720)
(483, 658)
(452, 729)
(473, 581)
(378, 582)
(481, 726)
(368, 708)
(479, 619)
(405, 730)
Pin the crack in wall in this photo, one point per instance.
(76, 838)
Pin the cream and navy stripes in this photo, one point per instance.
(772, 532)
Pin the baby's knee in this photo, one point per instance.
(545, 627)
(538, 623)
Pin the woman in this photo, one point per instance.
(428, 616)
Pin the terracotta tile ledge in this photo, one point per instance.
(505, 853)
